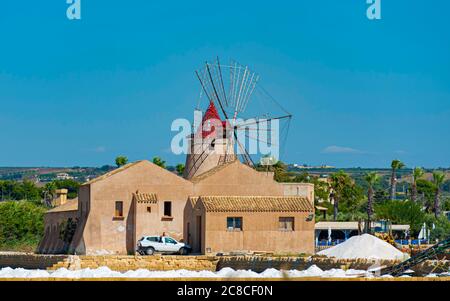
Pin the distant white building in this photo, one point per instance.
(63, 176)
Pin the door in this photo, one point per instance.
(170, 245)
(188, 236)
(199, 235)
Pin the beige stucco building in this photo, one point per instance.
(227, 224)
(113, 211)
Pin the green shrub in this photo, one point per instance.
(401, 212)
(441, 227)
(21, 224)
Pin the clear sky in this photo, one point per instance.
(362, 92)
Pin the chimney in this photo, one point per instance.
(61, 197)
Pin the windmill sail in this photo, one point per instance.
(229, 90)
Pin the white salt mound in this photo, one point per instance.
(105, 272)
(364, 246)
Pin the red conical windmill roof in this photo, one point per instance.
(210, 114)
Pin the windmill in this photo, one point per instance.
(230, 92)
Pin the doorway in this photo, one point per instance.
(199, 234)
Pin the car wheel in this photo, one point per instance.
(150, 251)
(184, 251)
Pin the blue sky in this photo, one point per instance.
(362, 92)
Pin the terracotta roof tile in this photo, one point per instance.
(256, 204)
(193, 200)
(145, 197)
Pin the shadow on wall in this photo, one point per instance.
(77, 246)
(131, 229)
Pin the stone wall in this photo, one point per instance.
(259, 264)
(29, 261)
(125, 263)
(197, 263)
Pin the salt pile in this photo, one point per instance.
(105, 272)
(365, 246)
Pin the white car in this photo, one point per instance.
(148, 245)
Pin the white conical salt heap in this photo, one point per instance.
(364, 246)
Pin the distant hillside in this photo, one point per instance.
(48, 174)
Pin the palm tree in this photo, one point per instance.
(371, 178)
(49, 191)
(438, 179)
(338, 182)
(417, 174)
(395, 165)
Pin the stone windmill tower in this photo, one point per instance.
(210, 146)
(216, 141)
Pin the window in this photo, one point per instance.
(234, 223)
(149, 209)
(119, 209)
(286, 223)
(170, 240)
(153, 238)
(167, 208)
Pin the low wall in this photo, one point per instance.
(126, 263)
(29, 261)
(197, 263)
(259, 264)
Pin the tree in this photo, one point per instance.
(321, 189)
(440, 227)
(303, 177)
(401, 212)
(25, 190)
(446, 204)
(49, 193)
(395, 165)
(438, 179)
(371, 178)
(417, 174)
(71, 186)
(347, 196)
(446, 186)
(21, 224)
(121, 161)
(158, 161)
(180, 168)
(14, 190)
(279, 169)
(380, 196)
(426, 191)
